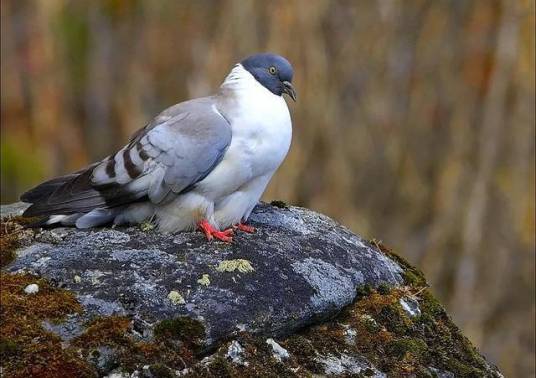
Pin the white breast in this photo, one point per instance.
(261, 128)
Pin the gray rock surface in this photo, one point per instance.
(299, 267)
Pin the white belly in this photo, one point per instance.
(262, 131)
(261, 135)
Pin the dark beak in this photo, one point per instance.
(289, 89)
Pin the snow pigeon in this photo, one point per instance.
(202, 163)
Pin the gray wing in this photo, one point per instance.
(179, 148)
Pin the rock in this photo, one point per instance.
(235, 353)
(411, 306)
(347, 365)
(441, 374)
(149, 276)
(166, 305)
(31, 289)
(280, 353)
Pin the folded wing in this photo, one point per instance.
(179, 148)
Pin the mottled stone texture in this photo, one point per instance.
(306, 269)
(291, 281)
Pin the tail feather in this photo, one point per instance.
(75, 193)
(45, 189)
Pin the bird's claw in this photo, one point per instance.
(245, 228)
(225, 236)
(211, 232)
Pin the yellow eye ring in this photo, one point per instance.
(272, 70)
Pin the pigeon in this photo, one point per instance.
(200, 164)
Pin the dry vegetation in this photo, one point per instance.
(414, 122)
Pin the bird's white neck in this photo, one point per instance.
(240, 91)
(238, 79)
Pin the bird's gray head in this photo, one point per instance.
(273, 71)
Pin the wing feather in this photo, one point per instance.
(171, 154)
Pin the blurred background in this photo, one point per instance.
(415, 122)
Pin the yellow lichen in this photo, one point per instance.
(176, 298)
(242, 265)
(204, 280)
(147, 226)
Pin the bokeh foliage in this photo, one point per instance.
(414, 123)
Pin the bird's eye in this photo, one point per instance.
(272, 70)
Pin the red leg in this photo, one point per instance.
(245, 228)
(211, 232)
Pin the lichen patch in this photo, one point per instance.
(204, 280)
(240, 265)
(176, 298)
(147, 226)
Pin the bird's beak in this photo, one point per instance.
(289, 89)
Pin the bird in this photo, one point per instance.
(200, 164)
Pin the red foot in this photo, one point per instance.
(245, 228)
(211, 232)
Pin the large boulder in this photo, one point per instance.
(211, 308)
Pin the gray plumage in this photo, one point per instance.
(171, 154)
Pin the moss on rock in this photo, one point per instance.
(107, 331)
(26, 348)
(412, 276)
(188, 331)
(375, 328)
(393, 341)
(12, 235)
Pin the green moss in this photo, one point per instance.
(163, 354)
(371, 325)
(220, 367)
(23, 357)
(463, 369)
(395, 319)
(363, 291)
(12, 234)
(400, 347)
(7, 254)
(161, 371)
(413, 279)
(183, 328)
(109, 331)
(8, 348)
(384, 288)
(22, 316)
(394, 342)
(430, 306)
(412, 276)
(301, 348)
